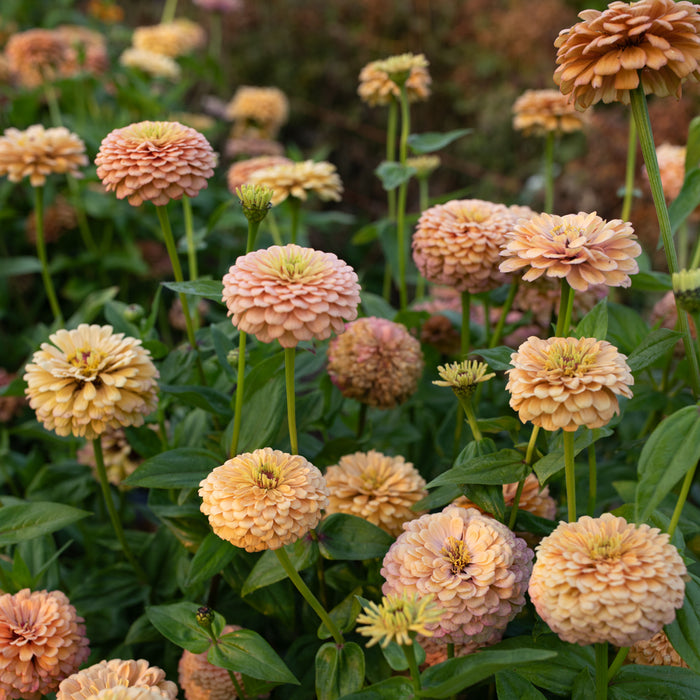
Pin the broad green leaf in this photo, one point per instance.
(22, 265)
(340, 670)
(203, 397)
(692, 146)
(375, 305)
(396, 658)
(434, 141)
(28, 520)
(268, 570)
(393, 174)
(91, 306)
(209, 289)
(396, 688)
(626, 329)
(212, 556)
(502, 467)
(438, 498)
(497, 358)
(595, 323)
(686, 201)
(654, 346)
(263, 414)
(178, 623)
(684, 631)
(344, 536)
(344, 615)
(511, 686)
(487, 497)
(182, 467)
(654, 683)
(651, 281)
(584, 685)
(552, 463)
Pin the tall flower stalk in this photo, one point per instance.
(41, 252)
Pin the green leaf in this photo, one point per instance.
(183, 467)
(22, 265)
(626, 329)
(511, 686)
(434, 141)
(684, 631)
(654, 346)
(91, 306)
(222, 346)
(178, 623)
(374, 305)
(651, 281)
(686, 201)
(339, 670)
(393, 174)
(503, 467)
(247, 652)
(584, 685)
(29, 520)
(497, 358)
(209, 289)
(396, 688)
(553, 462)
(268, 570)
(344, 614)
(263, 414)
(203, 397)
(344, 536)
(595, 323)
(213, 555)
(669, 453)
(692, 146)
(653, 683)
(488, 498)
(439, 497)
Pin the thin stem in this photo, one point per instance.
(466, 320)
(549, 172)
(466, 404)
(41, 252)
(458, 432)
(52, 101)
(422, 206)
(168, 11)
(569, 468)
(274, 228)
(601, 671)
(592, 480)
(189, 233)
(683, 245)
(516, 503)
(392, 122)
(240, 693)
(629, 170)
(412, 665)
(682, 496)
(531, 445)
(487, 321)
(294, 204)
(401, 203)
(289, 354)
(616, 665)
(566, 303)
(83, 225)
(498, 331)
(309, 597)
(238, 409)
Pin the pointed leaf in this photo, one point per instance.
(29, 520)
(511, 686)
(203, 397)
(393, 174)
(502, 467)
(396, 688)
(497, 358)
(21, 265)
(651, 281)
(692, 145)
(344, 536)
(344, 615)
(653, 682)
(687, 200)
(213, 555)
(654, 346)
(595, 323)
(340, 670)
(178, 623)
(553, 462)
(684, 631)
(183, 467)
(434, 141)
(268, 569)
(209, 289)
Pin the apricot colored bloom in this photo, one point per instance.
(91, 379)
(545, 111)
(583, 248)
(671, 160)
(257, 111)
(157, 65)
(155, 161)
(263, 499)
(116, 674)
(604, 580)
(377, 87)
(122, 693)
(37, 153)
(567, 382)
(239, 173)
(290, 294)
(300, 179)
(42, 640)
(476, 568)
(376, 361)
(375, 487)
(458, 243)
(608, 53)
(656, 651)
(119, 457)
(173, 39)
(36, 56)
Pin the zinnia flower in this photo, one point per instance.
(376, 361)
(119, 457)
(37, 152)
(656, 651)
(176, 38)
(671, 160)
(567, 382)
(298, 179)
(544, 111)
(122, 693)
(458, 243)
(375, 487)
(91, 379)
(42, 640)
(155, 161)
(463, 377)
(583, 248)
(290, 293)
(258, 111)
(610, 52)
(378, 88)
(36, 56)
(116, 674)
(239, 173)
(157, 65)
(88, 50)
(604, 580)
(263, 499)
(476, 568)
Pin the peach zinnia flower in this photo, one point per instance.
(298, 179)
(377, 87)
(257, 111)
(116, 674)
(543, 111)
(656, 651)
(583, 248)
(155, 161)
(122, 693)
(176, 38)
(476, 568)
(37, 152)
(42, 640)
(375, 487)
(290, 293)
(567, 382)
(610, 52)
(91, 379)
(36, 56)
(458, 243)
(671, 161)
(604, 580)
(240, 172)
(263, 499)
(376, 361)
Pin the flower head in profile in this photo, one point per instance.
(155, 161)
(119, 457)
(116, 674)
(656, 651)
(263, 499)
(157, 65)
(425, 165)
(289, 293)
(258, 111)
(541, 112)
(463, 377)
(399, 618)
(380, 81)
(42, 641)
(176, 38)
(476, 568)
(89, 379)
(240, 172)
(567, 382)
(375, 487)
(606, 580)
(583, 248)
(299, 180)
(376, 361)
(654, 43)
(36, 56)
(37, 153)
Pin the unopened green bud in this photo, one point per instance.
(255, 200)
(686, 287)
(232, 357)
(133, 313)
(424, 165)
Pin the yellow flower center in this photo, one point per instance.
(569, 360)
(565, 233)
(372, 479)
(156, 132)
(455, 552)
(88, 361)
(604, 547)
(267, 476)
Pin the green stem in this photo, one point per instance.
(168, 11)
(309, 597)
(289, 354)
(682, 496)
(52, 101)
(487, 321)
(683, 245)
(83, 226)
(466, 320)
(238, 409)
(41, 252)
(458, 432)
(274, 228)
(629, 170)
(412, 665)
(498, 331)
(422, 206)
(601, 671)
(616, 665)
(392, 123)
(695, 262)
(592, 480)
(189, 233)
(569, 468)
(566, 304)
(549, 172)
(294, 205)
(401, 203)
(240, 693)
(466, 404)
(516, 503)
(531, 445)
(253, 227)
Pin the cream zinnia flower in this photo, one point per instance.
(378, 88)
(155, 161)
(583, 248)
(263, 499)
(122, 693)
(375, 487)
(567, 382)
(240, 172)
(544, 111)
(157, 65)
(91, 379)
(42, 641)
(604, 580)
(300, 179)
(610, 52)
(290, 293)
(257, 111)
(176, 38)
(656, 651)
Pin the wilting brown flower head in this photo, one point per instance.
(671, 160)
(608, 53)
(582, 247)
(155, 161)
(59, 217)
(656, 651)
(157, 65)
(116, 674)
(290, 293)
(376, 361)
(42, 641)
(375, 487)
(263, 499)
(257, 111)
(476, 568)
(300, 179)
(458, 243)
(604, 580)
(37, 152)
(176, 38)
(567, 382)
(540, 112)
(239, 173)
(37, 56)
(91, 379)
(119, 458)
(378, 88)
